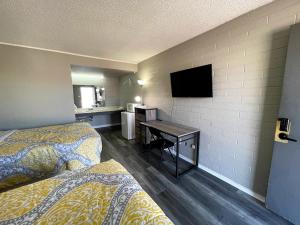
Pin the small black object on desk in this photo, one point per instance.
(181, 133)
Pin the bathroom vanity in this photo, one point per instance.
(98, 117)
(96, 95)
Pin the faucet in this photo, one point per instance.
(100, 103)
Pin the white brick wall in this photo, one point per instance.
(237, 124)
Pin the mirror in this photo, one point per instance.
(96, 87)
(87, 96)
(88, 87)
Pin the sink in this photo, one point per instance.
(98, 109)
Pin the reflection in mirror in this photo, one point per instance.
(86, 96)
(88, 88)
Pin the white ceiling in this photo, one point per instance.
(125, 30)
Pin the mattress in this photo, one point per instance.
(31, 154)
(102, 194)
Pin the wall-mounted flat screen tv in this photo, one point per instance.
(194, 82)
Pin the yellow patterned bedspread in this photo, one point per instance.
(103, 194)
(31, 154)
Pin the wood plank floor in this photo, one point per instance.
(197, 198)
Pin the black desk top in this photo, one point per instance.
(170, 128)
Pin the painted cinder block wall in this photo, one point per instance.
(237, 125)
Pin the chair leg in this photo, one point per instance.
(161, 154)
(171, 154)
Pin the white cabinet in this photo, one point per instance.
(128, 125)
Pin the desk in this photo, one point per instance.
(181, 133)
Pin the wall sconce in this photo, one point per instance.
(141, 82)
(137, 99)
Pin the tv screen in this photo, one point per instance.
(194, 82)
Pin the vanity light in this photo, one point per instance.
(137, 99)
(141, 82)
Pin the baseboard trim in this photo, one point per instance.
(225, 179)
(233, 183)
(107, 125)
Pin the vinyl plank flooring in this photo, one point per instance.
(197, 198)
(250, 206)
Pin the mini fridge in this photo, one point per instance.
(128, 125)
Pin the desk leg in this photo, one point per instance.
(145, 141)
(197, 148)
(177, 157)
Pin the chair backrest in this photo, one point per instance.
(155, 132)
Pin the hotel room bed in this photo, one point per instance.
(30, 154)
(102, 194)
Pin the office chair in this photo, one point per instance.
(158, 141)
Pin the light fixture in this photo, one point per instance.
(137, 99)
(141, 82)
